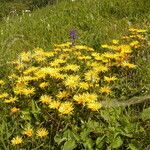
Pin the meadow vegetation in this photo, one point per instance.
(75, 75)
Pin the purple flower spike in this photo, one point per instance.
(73, 36)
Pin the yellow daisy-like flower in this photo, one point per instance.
(15, 110)
(25, 56)
(28, 132)
(134, 43)
(91, 76)
(42, 132)
(11, 100)
(62, 94)
(109, 79)
(105, 46)
(71, 67)
(72, 81)
(80, 98)
(84, 85)
(94, 106)
(54, 104)
(16, 140)
(105, 90)
(43, 85)
(2, 82)
(30, 70)
(67, 44)
(115, 41)
(66, 108)
(90, 97)
(4, 95)
(45, 99)
(125, 49)
(129, 65)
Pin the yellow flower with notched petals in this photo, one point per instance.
(66, 108)
(3, 95)
(62, 94)
(105, 90)
(54, 104)
(44, 85)
(16, 140)
(2, 82)
(15, 110)
(11, 100)
(94, 106)
(42, 132)
(28, 132)
(72, 81)
(72, 67)
(109, 79)
(128, 65)
(80, 98)
(45, 99)
(115, 41)
(84, 85)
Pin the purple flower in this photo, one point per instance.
(73, 36)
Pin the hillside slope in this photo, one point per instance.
(95, 21)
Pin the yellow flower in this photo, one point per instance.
(90, 97)
(109, 79)
(81, 47)
(45, 99)
(30, 70)
(4, 95)
(92, 76)
(62, 94)
(129, 65)
(25, 56)
(134, 43)
(16, 140)
(14, 110)
(11, 100)
(43, 85)
(28, 132)
(105, 90)
(42, 132)
(2, 82)
(115, 41)
(66, 108)
(101, 68)
(125, 48)
(54, 104)
(84, 85)
(63, 45)
(94, 106)
(57, 62)
(105, 46)
(72, 81)
(71, 67)
(80, 98)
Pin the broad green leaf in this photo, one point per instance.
(69, 145)
(117, 142)
(146, 114)
(58, 139)
(133, 147)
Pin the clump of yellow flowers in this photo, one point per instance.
(67, 78)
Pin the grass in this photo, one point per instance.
(96, 22)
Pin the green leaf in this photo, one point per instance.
(69, 145)
(145, 114)
(59, 139)
(117, 142)
(133, 147)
